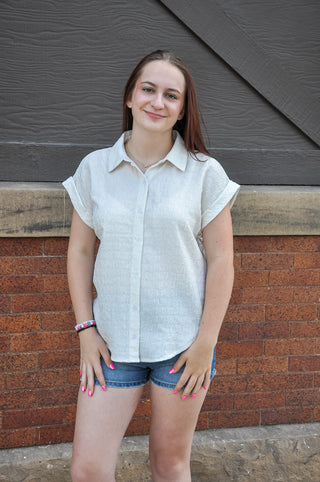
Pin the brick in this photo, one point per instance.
(305, 329)
(143, 408)
(236, 296)
(57, 397)
(267, 261)
(308, 363)
(303, 346)
(262, 365)
(39, 341)
(70, 414)
(55, 283)
(237, 261)
(294, 277)
(251, 244)
(19, 361)
(250, 278)
(73, 377)
(53, 321)
(303, 398)
(231, 384)
(245, 418)
(32, 418)
(202, 422)
(20, 284)
(17, 438)
(259, 400)
(138, 426)
(38, 379)
(267, 295)
(5, 266)
(56, 246)
(243, 313)
(306, 294)
(317, 380)
(40, 265)
(262, 331)
(286, 415)
(5, 304)
(307, 260)
(4, 343)
(20, 399)
(228, 332)
(226, 366)
(40, 302)
(316, 414)
(20, 323)
(21, 247)
(216, 401)
(294, 243)
(234, 350)
(54, 435)
(287, 381)
(59, 359)
(291, 312)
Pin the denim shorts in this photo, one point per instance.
(126, 375)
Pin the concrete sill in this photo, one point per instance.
(44, 209)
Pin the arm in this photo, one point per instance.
(80, 277)
(218, 244)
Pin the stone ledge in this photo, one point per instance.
(249, 454)
(44, 209)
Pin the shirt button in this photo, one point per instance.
(140, 211)
(134, 308)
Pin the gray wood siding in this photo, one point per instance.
(64, 66)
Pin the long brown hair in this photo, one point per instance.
(189, 126)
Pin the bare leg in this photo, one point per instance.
(172, 427)
(100, 426)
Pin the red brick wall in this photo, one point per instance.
(268, 354)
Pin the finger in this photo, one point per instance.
(206, 382)
(189, 387)
(178, 364)
(90, 383)
(181, 382)
(197, 386)
(107, 359)
(100, 376)
(83, 379)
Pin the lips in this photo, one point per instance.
(153, 115)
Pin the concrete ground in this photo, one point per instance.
(253, 454)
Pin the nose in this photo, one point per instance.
(157, 101)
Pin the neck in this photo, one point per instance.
(151, 147)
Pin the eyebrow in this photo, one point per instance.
(154, 85)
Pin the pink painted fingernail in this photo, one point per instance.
(194, 395)
(184, 397)
(80, 374)
(103, 388)
(171, 371)
(204, 387)
(82, 389)
(175, 392)
(112, 366)
(89, 393)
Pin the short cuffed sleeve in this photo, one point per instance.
(218, 191)
(78, 187)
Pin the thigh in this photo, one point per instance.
(173, 421)
(101, 422)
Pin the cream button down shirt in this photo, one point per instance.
(150, 268)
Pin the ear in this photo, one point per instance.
(129, 103)
(180, 116)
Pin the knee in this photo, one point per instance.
(170, 465)
(85, 470)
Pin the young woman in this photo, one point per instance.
(163, 274)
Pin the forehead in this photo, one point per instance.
(164, 73)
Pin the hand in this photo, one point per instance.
(92, 348)
(196, 374)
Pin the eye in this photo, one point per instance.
(172, 96)
(148, 90)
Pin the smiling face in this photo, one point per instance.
(157, 100)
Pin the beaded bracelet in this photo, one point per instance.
(85, 325)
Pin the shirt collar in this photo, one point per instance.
(178, 155)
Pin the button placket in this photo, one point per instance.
(135, 281)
